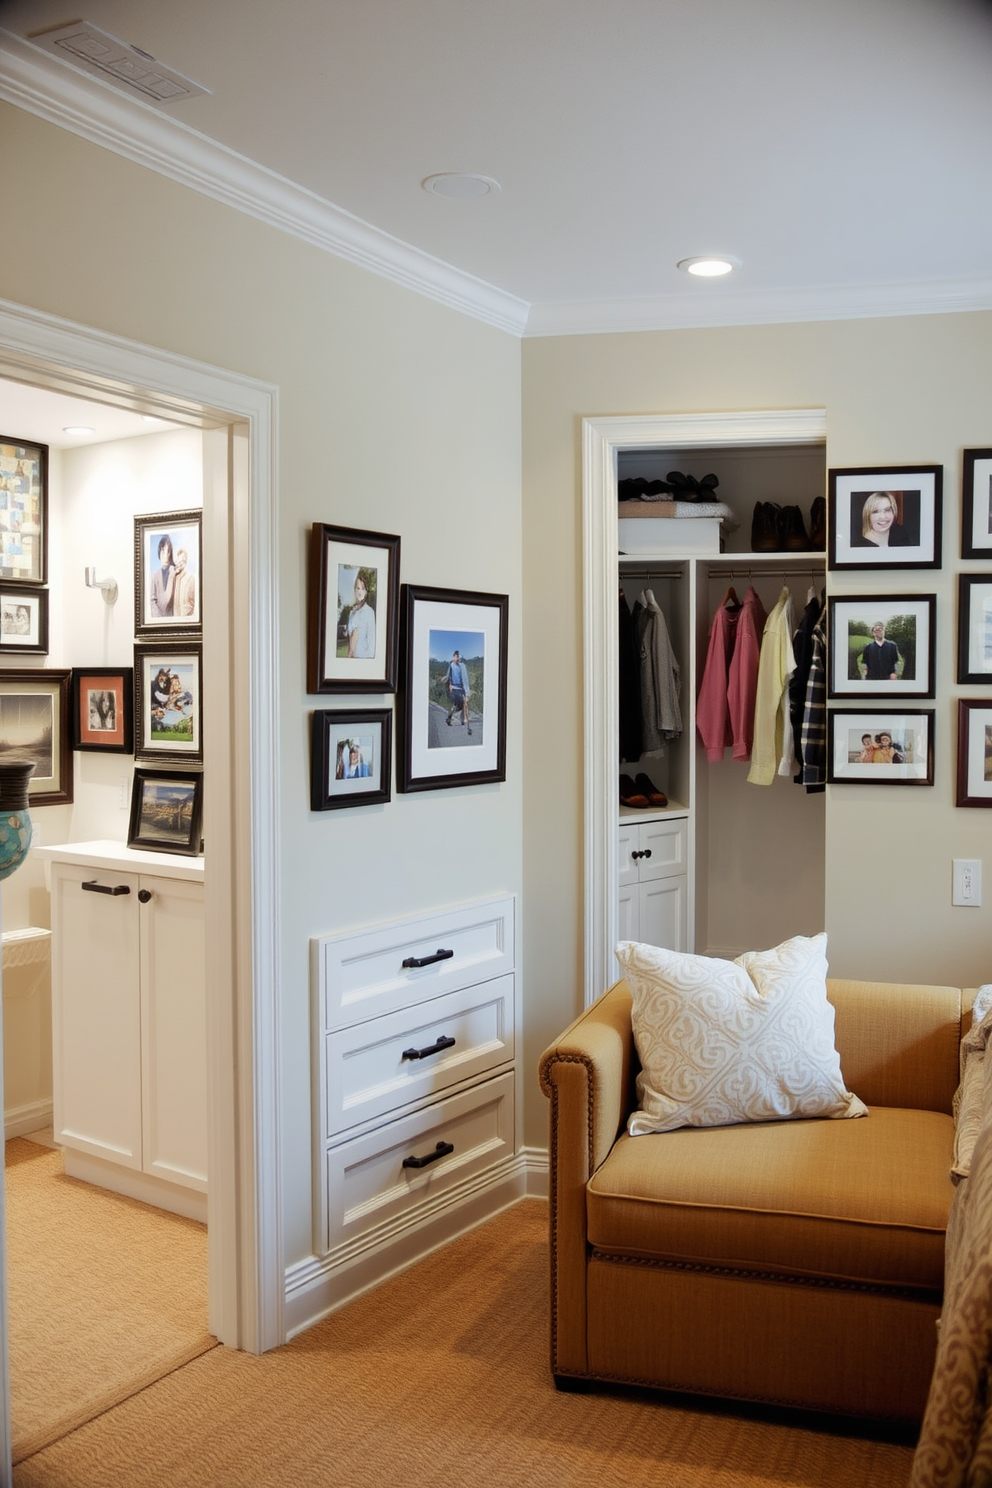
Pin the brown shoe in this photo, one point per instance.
(818, 524)
(647, 787)
(631, 796)
(764, 528)
(792, 531)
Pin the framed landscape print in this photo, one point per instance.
(454, 689)
(975, 628)
(865, 748)
(166, 811)
(168, 573)
(23, 511)
(882, 645)
(103, 709)
(976, 504)
(168, 702)
(885, 516)
(23, 620)
(34, 720)
(974, 774)
(352, 610)
(350, 757)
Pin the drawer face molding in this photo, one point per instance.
(372, 1068)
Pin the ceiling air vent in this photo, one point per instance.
(85, 45)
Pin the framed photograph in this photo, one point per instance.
(103, 709)
(885, 516)
(23, 511)
(976, 504)
(166, 811)
(454, 683)
(975, 627)
(352, 610)
(168, 573)
(34, 720)
(882, 645)
(880, 748)
(23, 620)
(168, 702)
(974, 777)
(350, 758)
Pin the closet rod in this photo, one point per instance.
(758, 571)
(650, 573)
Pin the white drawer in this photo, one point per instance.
(372, 1068)
(363, 974)
(367, 1184)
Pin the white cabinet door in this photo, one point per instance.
(96, 1012)
(662, 909)
(174, 1030)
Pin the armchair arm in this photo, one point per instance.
(588, 1075)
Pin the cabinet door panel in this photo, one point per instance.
(96, 1014)
(664, 845)
(628, 918)
(663, 919)
(174, 1018)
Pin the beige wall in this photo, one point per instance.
(896, 391)
(395, 414)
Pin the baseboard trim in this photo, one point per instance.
(134, 1185)
(20, 1121)
(319, 1285)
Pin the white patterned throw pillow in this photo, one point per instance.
(722, 1042)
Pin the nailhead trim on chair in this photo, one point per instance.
(551, 1090)
(913, 1294)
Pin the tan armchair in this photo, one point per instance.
(793, 1262)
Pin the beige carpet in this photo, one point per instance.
(105, 1295)
(439, 1379)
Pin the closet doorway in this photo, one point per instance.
(692, 594)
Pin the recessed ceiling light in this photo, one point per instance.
(78, 429)
(464, 187)
(709, 265)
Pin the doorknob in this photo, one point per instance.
(144, 895)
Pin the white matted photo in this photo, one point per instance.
(880, 748)
(974, 773)
(885, 517)
(350, 757)
(976, 504)
(882, 645)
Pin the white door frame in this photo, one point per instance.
(239, 416)
(602, 440)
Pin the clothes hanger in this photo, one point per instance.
(730, 600)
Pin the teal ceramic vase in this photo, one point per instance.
(15, 822)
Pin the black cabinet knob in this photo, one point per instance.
(144, 895)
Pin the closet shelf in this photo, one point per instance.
(652, 813)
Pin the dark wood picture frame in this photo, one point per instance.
(166, 811)
(909, 623)
(910, 732)
(23, 620)
(976, 504)
(352, 636)
(975, 628)
(103, 709)
(23, 511)
(973, 783)
(168, 701)
(35, 719)
(912, 533)
(347, 740)
(449, 738)
(168, 596)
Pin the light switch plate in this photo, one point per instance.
(967, 882)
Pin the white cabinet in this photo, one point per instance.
(414, 1044)
(129, 1022)
(653, 882)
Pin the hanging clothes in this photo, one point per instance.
(776, 665)
(712, 706)
(802, 645)
(661, 677)
(629, 686)
(814, 732)
(742, 680)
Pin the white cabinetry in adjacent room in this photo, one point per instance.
(129, 1021)
(652, 881)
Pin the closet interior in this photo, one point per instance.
(727, 865)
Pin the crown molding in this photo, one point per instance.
(85, 106)
(728, 307)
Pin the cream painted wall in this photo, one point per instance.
(395, 414)
(896, 391)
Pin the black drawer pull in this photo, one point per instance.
(443, 1043)
(428, 960)
(441, 1150)
(94, 888)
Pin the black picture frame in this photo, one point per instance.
(910, 732)
(35, 720)
(346, 740)
(343, 655)
(23, 511)
(168, 701)
(973, 784)
(23, 620)
(975, 629)
(908, 624)
(166, 811)
(912, 537)
(449, 740)
(103, 709)
(168, 595)
(976, 504)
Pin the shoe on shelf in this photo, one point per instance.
(793, 537)
(764, 528)
(818, 524)
(647, 787)
(631, 796)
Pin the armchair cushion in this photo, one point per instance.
(725, 1042)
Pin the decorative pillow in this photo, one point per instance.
(722, 1042)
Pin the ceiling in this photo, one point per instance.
(43, 417)
(841, 149)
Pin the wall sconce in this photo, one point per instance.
(107, 586)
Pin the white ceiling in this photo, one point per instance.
(842, 149)
(41, 417)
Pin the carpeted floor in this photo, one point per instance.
(440, 1379)
(105, 1295)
